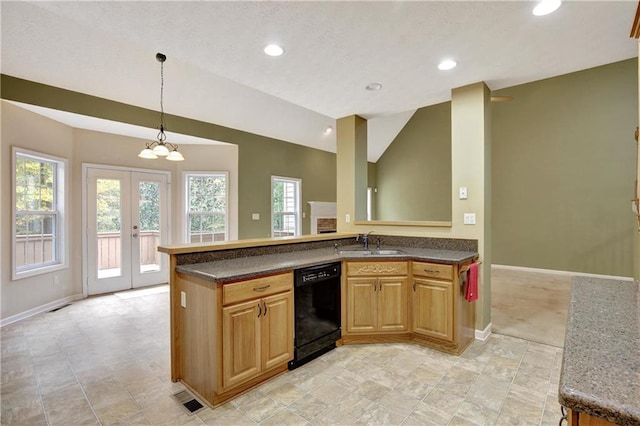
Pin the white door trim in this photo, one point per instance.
(84, 238)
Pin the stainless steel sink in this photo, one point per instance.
(371, 252)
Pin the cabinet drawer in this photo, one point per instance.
(378, 269)
(433, 270)
(259, 287)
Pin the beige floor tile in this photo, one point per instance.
(331, 416)
(260, 409)
(372, 390)
(108, 358)
(308, 407)
(285, 394)
(443, 401)
(477, 412)
(526, 411)
(330, 393)
(23, 412)
(381, 415)
(284, 417)
(70, 412)
(399, 402)
(119, 412)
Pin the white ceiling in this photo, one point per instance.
(216, 71)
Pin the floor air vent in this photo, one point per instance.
(188, 402)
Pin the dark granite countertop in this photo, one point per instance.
(601, 363)
(253, 266)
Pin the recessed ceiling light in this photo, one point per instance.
(373, 86)
(545, 7)
(447, 64)
(273, 50)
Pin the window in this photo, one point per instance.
(285, 206)
(38, 205)
(206, 207)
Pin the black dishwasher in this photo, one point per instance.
(317, 311)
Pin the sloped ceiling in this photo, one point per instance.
(216, 70)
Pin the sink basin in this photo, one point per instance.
(371, 252)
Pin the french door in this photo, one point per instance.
(126, 219)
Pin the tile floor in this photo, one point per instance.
(105, 360)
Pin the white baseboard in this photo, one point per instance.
(484, 334)
(564, 273)
(39, 309)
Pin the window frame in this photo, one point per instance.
(60, 236)
(187, 213)
(298, 213)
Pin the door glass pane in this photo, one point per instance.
(149, 235)
(109, 229)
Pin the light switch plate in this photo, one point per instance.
(183, 299)
(469, 218)
(463, 192)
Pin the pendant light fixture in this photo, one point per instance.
(161, 148)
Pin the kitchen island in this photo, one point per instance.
(600, 378)
(232, 304)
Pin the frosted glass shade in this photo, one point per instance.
(147, 154)
(175, 156)
(161, 150)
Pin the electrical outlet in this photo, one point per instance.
(183, 299)
(469, 218)
(347, 218)
(255, 216)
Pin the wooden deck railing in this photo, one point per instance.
(33, 251)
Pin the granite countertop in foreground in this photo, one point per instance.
(253, 266)
(601, 363)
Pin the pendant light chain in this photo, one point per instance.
(162, 95)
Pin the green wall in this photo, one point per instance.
(259, 156)
(413, 176)
(563, 172)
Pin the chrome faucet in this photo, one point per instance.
(365, 239)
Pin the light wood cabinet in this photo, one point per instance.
(377, 297)
(440, 314)
(257, 335)
(433, 308)
(231, 337)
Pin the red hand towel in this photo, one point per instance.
(472, 283)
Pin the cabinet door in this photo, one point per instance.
(392, 304)
(361, 305)
(241, 342)
(433, 308)
(277, 330)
